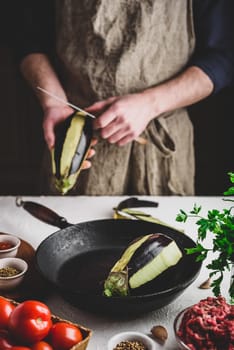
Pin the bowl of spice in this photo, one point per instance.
(12, 272)
(9, 245)
(131, 341)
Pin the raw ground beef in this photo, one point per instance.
(208, 325)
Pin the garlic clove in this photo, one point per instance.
(206, 284)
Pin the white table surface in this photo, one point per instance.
(17, 221)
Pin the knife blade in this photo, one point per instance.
(139, 139)
(65, 102)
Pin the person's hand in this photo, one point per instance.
(122, 119)
(87, 163)
(54, 116)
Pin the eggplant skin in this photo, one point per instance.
(145, 258)
(121, 264)
(148, 251)
(153, 259)
(72, 141)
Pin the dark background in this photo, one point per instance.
(21, 138)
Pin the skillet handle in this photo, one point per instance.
(43, 213)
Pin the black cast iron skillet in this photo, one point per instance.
(77, 259)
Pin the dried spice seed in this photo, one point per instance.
(130, 345)
(8, 271)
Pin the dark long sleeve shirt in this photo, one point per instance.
(213, 24)
(214, 29)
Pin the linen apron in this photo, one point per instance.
(118, 47)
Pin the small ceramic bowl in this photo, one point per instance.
(9, 245)
(177, 322)
(131, 336)
(11, 282)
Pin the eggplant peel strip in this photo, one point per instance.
(140, 215)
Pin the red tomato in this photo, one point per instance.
(30, 321)
(64, 335)
(6, 308)
(6, 343)
(41, 345)
(20, 348)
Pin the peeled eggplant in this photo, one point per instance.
(143, 260)
(72, 142)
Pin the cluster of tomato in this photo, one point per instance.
(29, 326)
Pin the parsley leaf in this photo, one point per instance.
(221, 225)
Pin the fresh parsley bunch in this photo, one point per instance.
(221, 225)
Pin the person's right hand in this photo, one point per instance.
(52, 117)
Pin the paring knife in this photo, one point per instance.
(139, 139)
(65, 102)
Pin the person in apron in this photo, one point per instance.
(127, 63)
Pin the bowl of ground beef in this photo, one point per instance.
(207, 325)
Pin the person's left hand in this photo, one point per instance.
(122, 119)
(87, 163)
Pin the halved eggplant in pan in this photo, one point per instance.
(72, 142)
(143, 260)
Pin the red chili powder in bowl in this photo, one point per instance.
(208, 325)
(6, 245)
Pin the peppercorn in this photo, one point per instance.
(130, 345)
